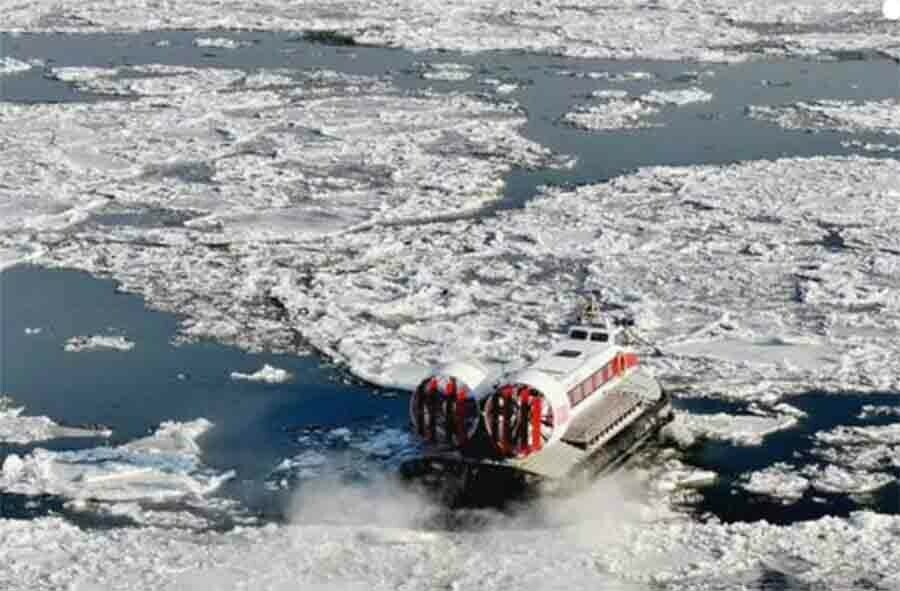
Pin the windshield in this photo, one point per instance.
(578, 334)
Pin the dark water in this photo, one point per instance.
(729, 502)
(258, 425)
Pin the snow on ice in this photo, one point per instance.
(267, 373)
(737, 429)
(780, 481)
(714, 31)
(861, 448)
(832, 115)
(835, 479)
(618, 112)
(247, 168)
(23, 429)
(603, 551)
(447, 72)
(97, 342)
(678, 97)
(160, 467)
(612, 115)
(219, 42)
(10, 65)
(870, 410)
(753, 278)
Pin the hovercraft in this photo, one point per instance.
(583, 407)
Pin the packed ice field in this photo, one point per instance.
(342, 215)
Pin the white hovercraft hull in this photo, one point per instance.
(597, 440)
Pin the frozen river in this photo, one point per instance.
(303, 228)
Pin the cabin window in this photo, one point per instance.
(600, 337)
(568, 353)
(577, 334)
(586, 388)
(575, 396)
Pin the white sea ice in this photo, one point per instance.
(267, 373)
(613, 115)
(870, 434)
(98, 342)
(332, 154)
(604, 551)
(674, 475)
(835, 479)
(833, 115)
(870, 146)
(678, 97)
(33, 331)
(10, 65)
(780, 481)
(870, 410)
(618, 112)
(737, 429)
(23, 429)
(891, 9)
(162, 466)
(736, 272)
(445, 71)
(219, 42)
(609, 94)
(501, 87)
(671, 29)
(863, 448)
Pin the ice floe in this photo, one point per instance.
(674, 474)
(678, 97)
(748, 429)
(618, 112)
(267, 373)
(889, 434)
(711, 31)
(833, 115)
(10, 65)
(870, 146)
(860, 448)
(330, 154)
(870, 410)
(21, 429)
(613, 115)
(98, 342)
(603, 550)
(835, 479)
(780, 481)
(755, 280)
(501, 87)
(219, 42)
(160, 467)
(448, 72)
